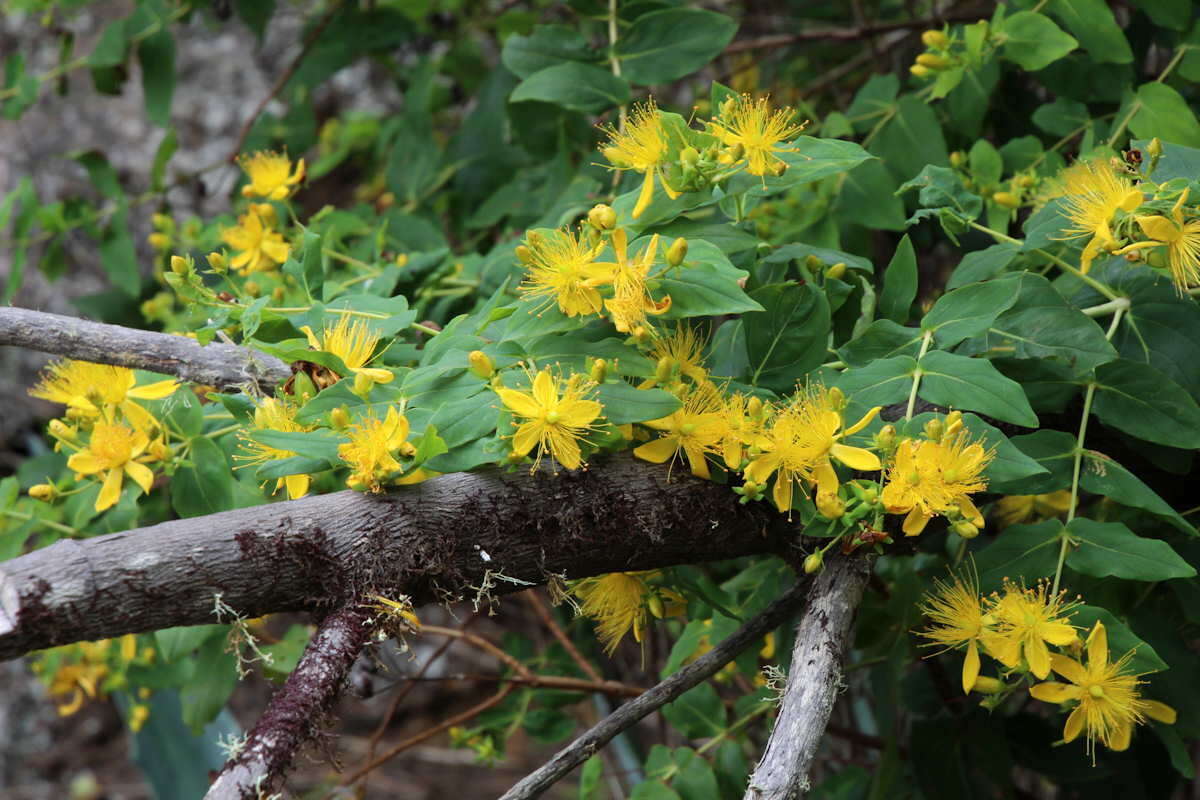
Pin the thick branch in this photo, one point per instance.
(430, 541)
(216, 364)
(295, 711)
(813, 681)
(627, 715)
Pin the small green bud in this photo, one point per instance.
(986, 685)
(339, 418)
(663, 369)
(886, 438)
(935, 429)
(602, 217)
(813, 264)
(481, 365)
(836, 271)
(677, 252)
(958, 158)
(44, 492)
(920, 71)
(252, 288)
(599, 370)
(524, 254)
(1154, 149)
(830, 505)
(159, 241)
(217, 262)
(362, 384)
(966, 530)
(932, 61)
(689, 156)
(935, 39)
(1006, 199)
(813, 563)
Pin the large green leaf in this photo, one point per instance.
(1021, 553)
(1121, 640)
(1093, 23)
(205, 486)
(1162, 112)
(881, 339)
(624, 403)
(665, 45)
(911, 140)
(899, 283)
(880, 383)
(788, 338)
(1103, 476)
(1143, 402)
(1110, 548)
(546, 46)
(960, 382)
(1034, 41)
(574, 86)
(969, 311)
(698, 713)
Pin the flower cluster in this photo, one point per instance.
(259, 245)
(1017, 627)
(85, 671)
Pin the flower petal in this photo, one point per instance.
(520, 403)
(644, 197)
(110, 492)
(1055, 692)
(527, 436)
(761, 468)
(84, 463)
(1074, 725)
(697, 462)
(782, 494)
(141, 474)
(1118, 738)
(970, 671)
(1069, 668)
(1038, 656)
(1059, 634)
(916, 521)
(154, 391)
(544, 391)
(1158, 711)
(658, 450)
(297, 486)
(578, 413)
(856, 457)
(862, 423)
(1097, 646)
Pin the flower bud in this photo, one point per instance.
(836, 271)
(932, 61)
(755, 407)
(1006, 199)
(61, 430)
(339, 418)
(689, 156)
(935, 429)
(813, 563)
(837, 399)
(481, 365)
(966, 530)
(362, 384)
(886, 438)
(736, 152)
(43, 491)
(163, 222)
(1154, 149)
(935, 39)
(252, 288)
(958, 158)
(677, 252)
(778, 168)
(953, 422)
(920, 71)
(602, 217)
(986, 685)
(1024, 181)
(655, 605)
(401, 260)
(599, 371)
(663, 369)
(524, 254)
(813, 264)
(830, 505)
(277, 294)
(159, 241)
(728, 105)
(218, 263)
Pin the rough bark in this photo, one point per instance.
(225, 366)
(537, 782)
(813, 683)
(437, 539)
(294, 713)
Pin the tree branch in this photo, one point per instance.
(489, 532)
(216, 364)
(813, 682)
(627, 715)
(295, 712)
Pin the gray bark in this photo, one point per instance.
(813, 683)
(226, 366)
(443, 538)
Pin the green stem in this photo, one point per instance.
(1104, 309)
(1058, 262)
(222, 431)
(1136, 105)
(916, 383)
(425, 329)
(66, 530)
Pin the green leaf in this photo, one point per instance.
(1143, 402)
(960, 382)
(911, 140)
(653, 790)
(156, 55)
(205, 694)
(942, 190)
(698, 713)
(1162, 112)
(899, 283)
(175, 642)
(1093, 23)
(695, 779)
(788, 338)
(546, 46)
(868, 198)
(1054, 450)
(1062, 117)
(881, 339)
(309, 269)
(811, 160)
(707, 284)
(589, 778)
(666, 45)
(1104, 477)
(548, 725)
(574, 86)
(624, 404)
(981, 265)
(969, 311)
(985, 162)
(110, 47)
(206, 485)
(1120, 640)
(1034, 41)
(1020, 553)
(166, 149)
(1110, 548)
(314, 444)
(880, 383)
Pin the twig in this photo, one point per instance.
(215, 364)
(627, 715)
(547, 619)
(847, 34)
(295, 712)
(563, 682)
(814, 681)
(282, 80)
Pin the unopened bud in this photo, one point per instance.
(43, 491)
(736, 152)
(958, 158)
(932, 61)
(935, 429)
(159, 241)
(655, 605)
(277, 294)
(602, 217)
(986, 685)
(163, 222)
(813, 563)
(755, 407)
(524, 254)
(599, 371)
(813, 264)
(778, 168)
(252, 288)
(61, 430)
(677, 252)
(218, 262)
(339, 418)
(837, 399)
(1024, 181)
(954, 422)
(966, 530)
(1154, 149)
(886, 438)
(402, 260)
(836, 271)
(663, 369)
(689, 156)
(1006, 199)
(481, 365)
(830, 505)
(920, 71)
(362, 384)
(935, 39)
(728, 105)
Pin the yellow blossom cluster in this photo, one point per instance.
(621, 602)
(85, 671)
(1017, 627)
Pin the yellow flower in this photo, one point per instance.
(261, 248)
(617, 601)
(94, 390)
(276, 415)
(800, 441)
(1180, 237)
(114, 450)
(271, 175)
(753, 128)
(355, 343)
(684, 351)
(553, 421)
(959, 618)
(1094, 193)
(642, 147)
(739, 429)
(1018, 508)
(1109, 704)
(1026, 621)
(371, 451)
(79, 680)
(631, 300)
(695, 429)
(930, 478)
(561, 266)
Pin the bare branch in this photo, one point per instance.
(430, 541)
(813, 682)
(217, 364)
(627, 715)
(295, 712)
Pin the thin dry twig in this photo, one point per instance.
(539, 608)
